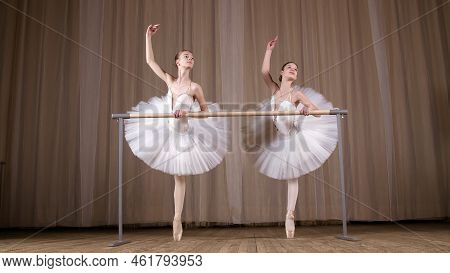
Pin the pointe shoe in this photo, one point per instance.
(177, 230)
(290, 224)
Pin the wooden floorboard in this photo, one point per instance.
(380, 237)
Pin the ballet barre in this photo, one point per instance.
(121, 117)
(230, 114)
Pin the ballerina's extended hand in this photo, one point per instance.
(152, 29)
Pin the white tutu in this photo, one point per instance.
(287, 147)
(185, 146)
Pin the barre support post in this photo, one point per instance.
(344, 235)
(120, 240)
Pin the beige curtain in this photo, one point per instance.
(66, 66)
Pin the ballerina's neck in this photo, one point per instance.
(184, 75)
(286, 85)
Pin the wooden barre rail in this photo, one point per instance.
(230, 114)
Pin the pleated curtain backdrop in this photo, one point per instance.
(66, 66)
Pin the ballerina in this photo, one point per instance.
(179, 146)
(301, 143)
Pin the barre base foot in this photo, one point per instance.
(119, 243)
(347, 238)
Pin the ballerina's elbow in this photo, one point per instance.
(153, 65)
(265, 72)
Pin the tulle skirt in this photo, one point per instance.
(304, 149)
(186, 146)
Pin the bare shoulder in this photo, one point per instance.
(298, 94)
(298, 91)
(196, 88)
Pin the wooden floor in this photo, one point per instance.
(379, 237)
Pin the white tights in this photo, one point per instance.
(178, 195)
(292, 200)
(292, 194)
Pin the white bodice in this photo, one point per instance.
(284, 124)
(183, 102)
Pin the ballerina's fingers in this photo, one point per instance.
(179, 114)
(152, 29)
(155, 27)
(304, 111)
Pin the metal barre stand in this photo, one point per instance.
(337, 112)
